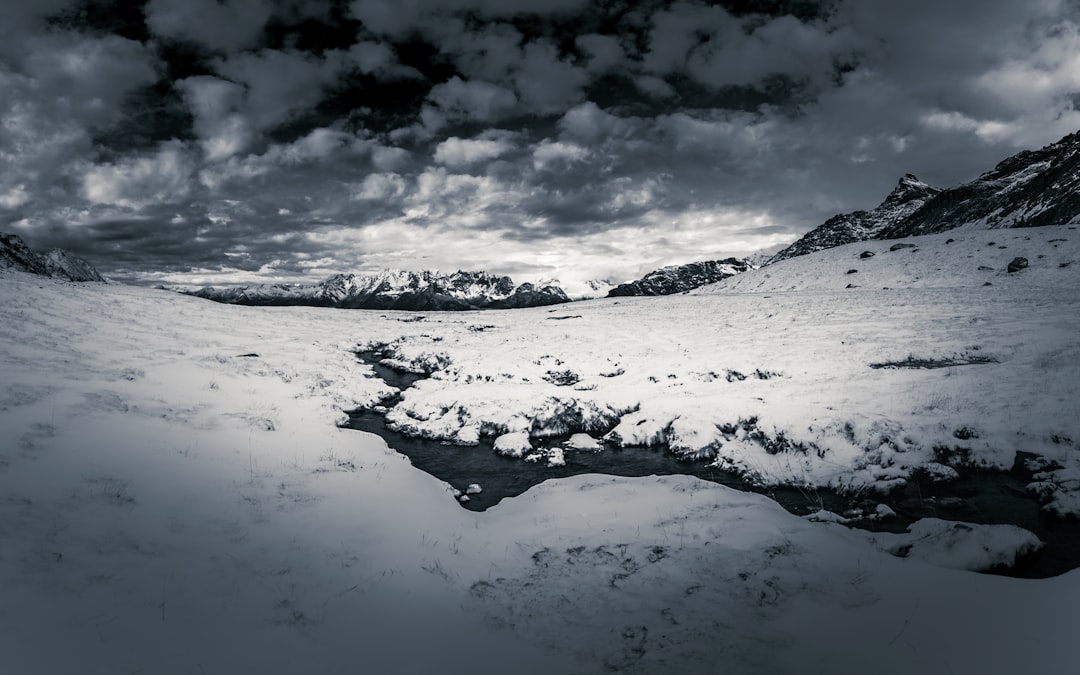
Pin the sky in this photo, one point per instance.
(235, 141)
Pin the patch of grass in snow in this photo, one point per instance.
(913, 361)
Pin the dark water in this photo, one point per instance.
(984, 497)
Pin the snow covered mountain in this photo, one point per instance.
(1033, 188)
(1030, 189)
(907, 197)
(679, 278)
(395, 289)
(58, 263)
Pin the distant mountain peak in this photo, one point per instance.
(396, 289)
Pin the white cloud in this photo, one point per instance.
(380, 186)
(457, 152)
(472, 99)
(137, 182)
(588, 124)
(549, 153)
(219, 24)
(281, 84)
(604, 51)
(223, 131)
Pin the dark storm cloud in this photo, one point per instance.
(287, 138)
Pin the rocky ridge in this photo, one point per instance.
(909, 195)
(57, 263)
(680, 278)
(397, 290)
(1033, 188)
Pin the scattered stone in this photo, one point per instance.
(1017, 264)
(867, 254)
(984, 268)
(897, 247)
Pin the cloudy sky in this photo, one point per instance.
(217, 141)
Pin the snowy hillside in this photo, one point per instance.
(176, 495)
(395, 289)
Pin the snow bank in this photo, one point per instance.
(962, 546)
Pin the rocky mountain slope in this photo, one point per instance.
(395, 289)
(679, 278)
(1034, 188)
(57, 263)
(907, 197)
(1030, 189)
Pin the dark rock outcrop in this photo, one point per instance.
(1031, 189)
(57, 263)
(679, 278)
(1017, 264)
(908, 196)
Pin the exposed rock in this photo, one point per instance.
(1029, 189)
(680, 278)
(907, 197)
(63, 264)
(15, 254)
(1017, 264)
(58, 263)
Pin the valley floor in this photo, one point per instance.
(176, 495)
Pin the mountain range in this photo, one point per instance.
(57, 263)
(1030, 189)
(396, 289)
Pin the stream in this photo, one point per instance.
(977, 496)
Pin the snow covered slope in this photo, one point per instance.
(175, 496)
(396, 289)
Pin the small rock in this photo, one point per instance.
(883, 510)
(851, 286)
(987, 284)
(1017, 264)
(463, 498)
(897, 247)
(853, 271)
(984, 268)
(949, 241)
(473, 489)
(866, 254)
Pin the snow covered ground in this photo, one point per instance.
(176, 496)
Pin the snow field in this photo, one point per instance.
(852, 389)
(170, 503)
